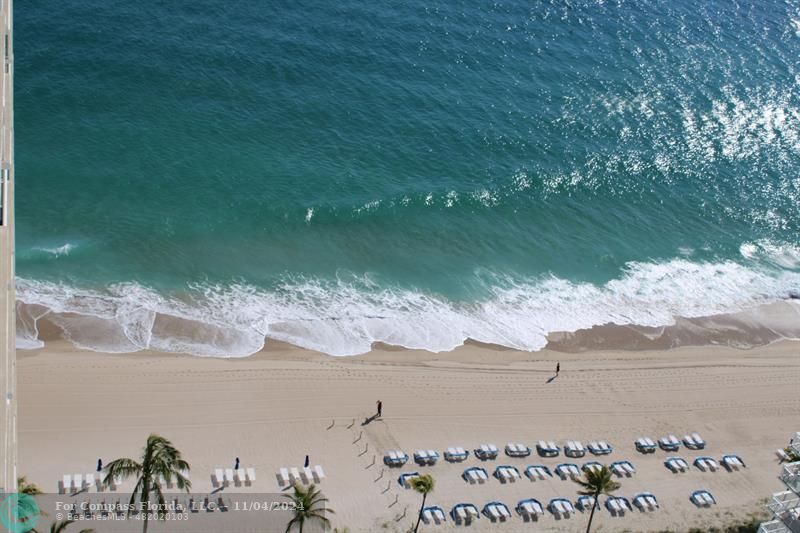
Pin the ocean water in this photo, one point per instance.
(209, 176)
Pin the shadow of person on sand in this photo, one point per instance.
(370, 419)
(551, 379)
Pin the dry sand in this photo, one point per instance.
(273, 408)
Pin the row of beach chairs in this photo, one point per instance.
(293, 475)
(488, 452)
(79, 482)
(531, 509)
(670, 443)
(509, 474)
(705, 464)
(236, 477)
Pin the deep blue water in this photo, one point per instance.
(199, 176)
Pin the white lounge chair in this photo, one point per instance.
(670, 443)
(319, 474)
(456, 454)
(66, 483)
(250, 475)
(308, 475)
(294, 474)
(228, 476)
(645, 445)
(77, 482)
(219, 477)
(486, 452)
(284, 478)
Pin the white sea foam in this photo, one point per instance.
(346, 317)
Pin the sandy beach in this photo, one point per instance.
(273, 408)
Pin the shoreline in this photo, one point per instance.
(749, 328)
(272, 408)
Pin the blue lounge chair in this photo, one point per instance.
(506, 473)
(623, 468)
(547, 449)
(486, 452)
(702, 498)
(426, 457)
(676, 464)
(600, 447)
(395, 458)
(405, 479)
(530, 509)
(645, 445)
(585, 503)
(464, 513)
(617, 505)
(433, 515)
(496, 511)
(561, 507)
(645, 501)
(592, 465)
(670, 443)
(732, 462)
(455, 454)
(474, 475)
(568, 471)
(694, 441)
(517, 450)
(535, 472)
(706, 464)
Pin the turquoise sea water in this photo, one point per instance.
(197, 177)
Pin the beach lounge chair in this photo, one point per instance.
(623, 468)
(547, 449)
(645, 445)
(574, 449)
(670, 443)
(600, 447)
(702, 498)
(77, 482)
(506, 474)
(88, 481)
(676, 464)
(517, 450)
(283, 477)
(645, 501)
(561, 507)
(585, 503)
(496, 511)
(694, 441)
(433, 515)
(530, 509)
(617, 505)
(319, 473)
(405, 479)
(239, 477)
(294, 475)
(228, 476)
(464, 513)
(426, 457)
(475, 475)
(308, 475)
(219, 478)
(567, 471)
(486, 452)
(592, 466)
(706, 464)
(251, 475)
(395, 458)
(732, 462)
(65, 485)
(535, 472)
(455, 454)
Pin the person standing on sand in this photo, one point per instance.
(305, 465)
(558, 368)
(237, 464)
(99, 465)
(380, 408)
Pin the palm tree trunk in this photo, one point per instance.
(591, 515)
(421, 507)
(145, 501)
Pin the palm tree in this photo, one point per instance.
(304, 501)
(595, 483)
(423, 485)
(160, 462)
(61, 527)
(27, 510)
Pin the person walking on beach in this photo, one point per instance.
(558, 368)
(236, 467)
(380, 408)
(99, 465)
(305, 465)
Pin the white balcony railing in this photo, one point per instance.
(773, 526)
(790, 475)
(782, 502)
